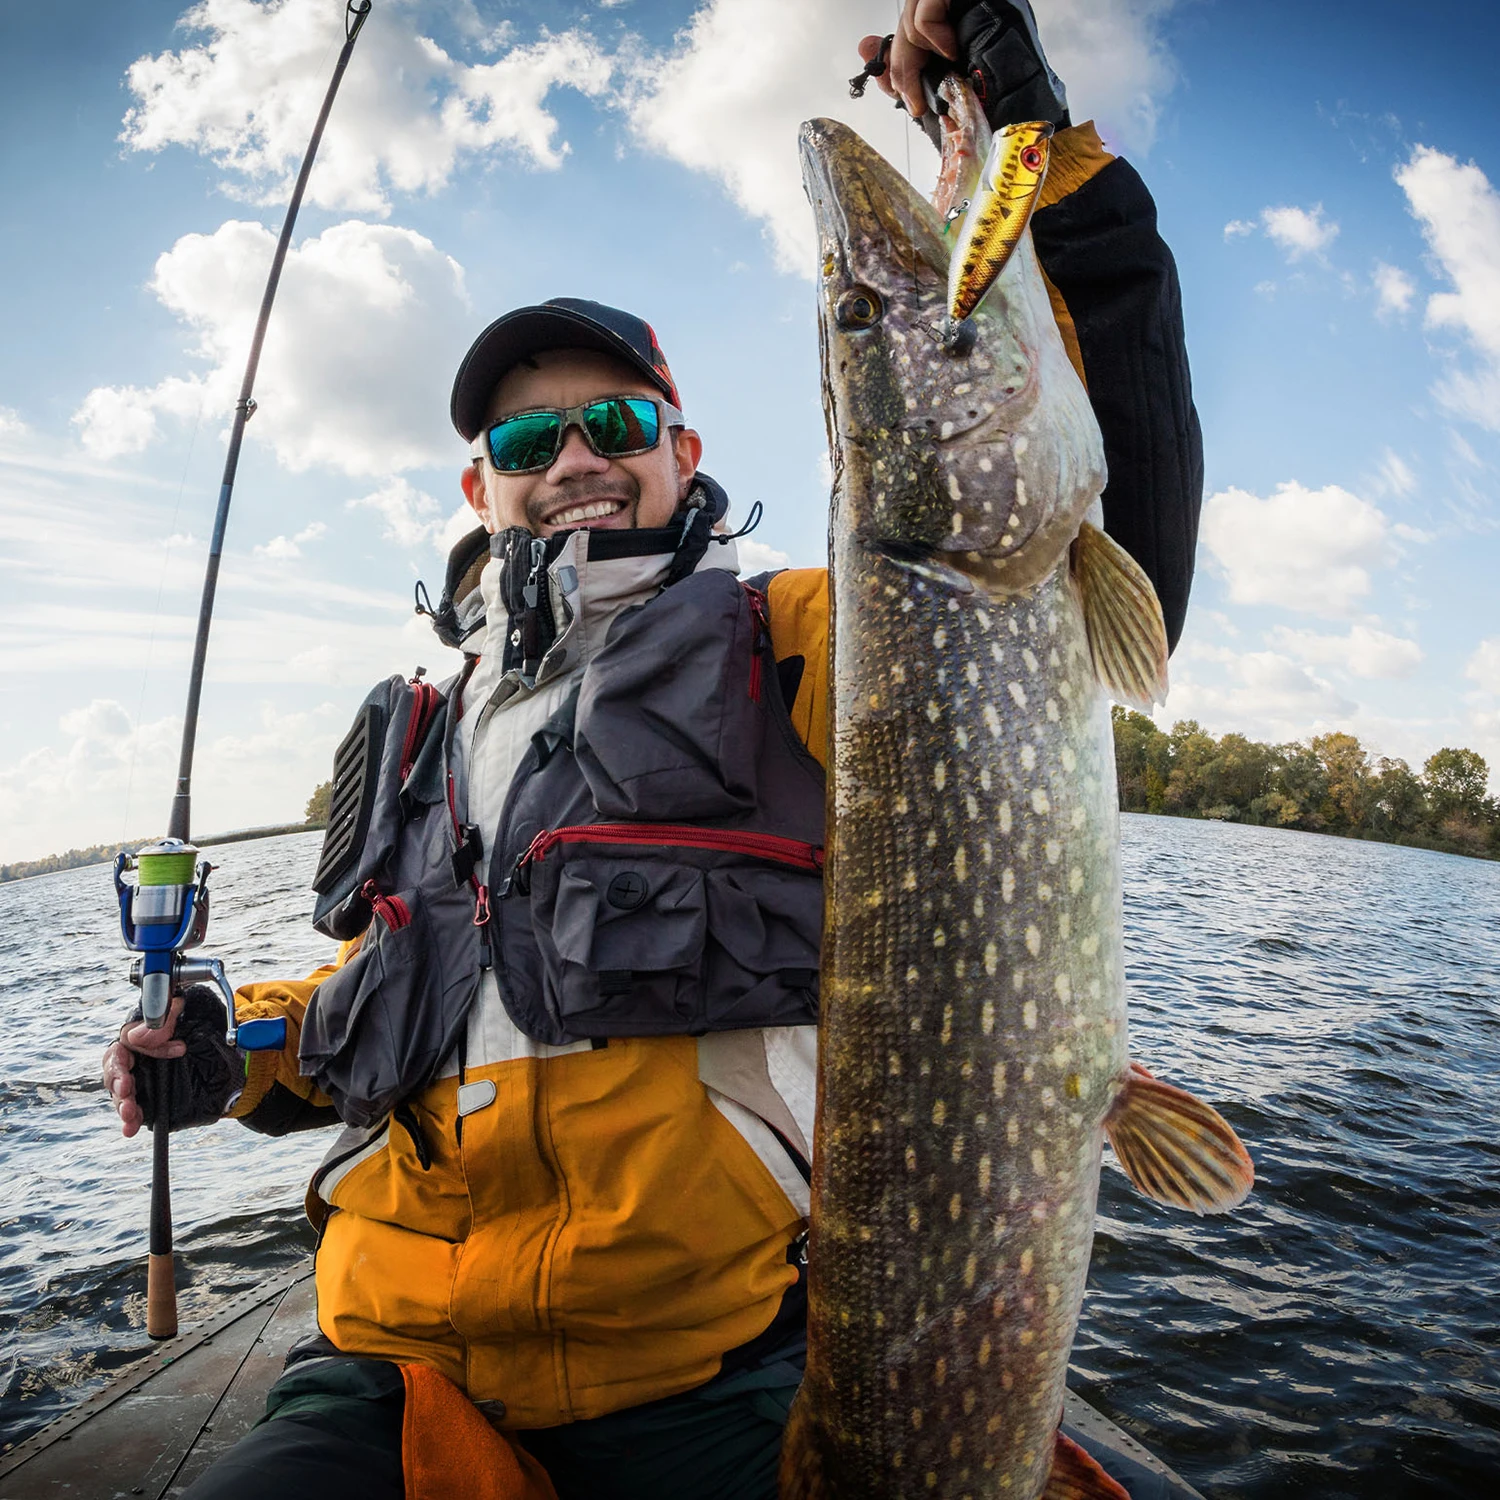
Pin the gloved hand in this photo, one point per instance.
(199, 1084)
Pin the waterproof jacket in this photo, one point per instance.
(568, 1229)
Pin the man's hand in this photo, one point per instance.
(138, 1040)
(923, 30)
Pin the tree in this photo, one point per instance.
(319, 803)
(1457, 781)
(1192, 751)
(1398, 803)
(1346, 767)
(1143, 760)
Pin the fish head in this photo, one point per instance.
(975, 455)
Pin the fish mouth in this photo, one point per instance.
(869, 217)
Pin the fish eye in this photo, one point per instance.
(1031, 158)
(859, 307)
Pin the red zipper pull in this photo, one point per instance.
(481, 905)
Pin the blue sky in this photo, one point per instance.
(1326, 173)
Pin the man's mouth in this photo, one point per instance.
(584, 512)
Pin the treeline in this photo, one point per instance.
(1330, 784)
(104, 854)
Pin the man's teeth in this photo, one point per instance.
(590, 512)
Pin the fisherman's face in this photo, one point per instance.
(580, 488)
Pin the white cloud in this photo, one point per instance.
(1394, 289)
(1237, 229)
(1484, 666)
(759, 557)
(370, 321)
(283, 548)
(1259, 693)
(1395, 476)
(1299, 231)
(11, 424)
(407, 111)
(1363, 652)
(410, 514)
(1309, 550)
(729, 98)
(1459, 211)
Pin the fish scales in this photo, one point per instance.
(973, 1034)
(970, 1054)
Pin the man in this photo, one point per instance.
(573, 1186)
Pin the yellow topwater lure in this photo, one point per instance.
(996, 217)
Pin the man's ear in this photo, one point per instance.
(688, 448)
(472, 481)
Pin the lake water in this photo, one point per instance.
(1338, 1336)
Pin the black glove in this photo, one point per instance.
(1001, 55)
(200, 1083)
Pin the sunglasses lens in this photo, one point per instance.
(621, 425)
(525, 442)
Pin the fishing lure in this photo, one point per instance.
(993, 222)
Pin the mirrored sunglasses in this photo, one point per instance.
(614, 427)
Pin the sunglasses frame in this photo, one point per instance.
(667, 417)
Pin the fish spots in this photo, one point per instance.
(985, 1350)
(909, 880)
(913, 1218)
(911, 1158)
(1075, 880)
(1029, 657)
(997, 1081)
(1018, 694)
(956, 1207)
(1053, 850)
(1068, 755)
(1003, 813)
(939, 1112)
(939, 638)
(961, 863)
(987, 1017)
(1089, 945)
(961, 737)
(874, 898)
(901, 805)
(1007, 890)
(939, 938)
(1028, 757)
(1034, 940)
(1028, 1015)
(893, 1065)
(1012, 1131)
(934, 711)
(971, 802)
(1027, 1259)
(1073, 1086)
(1053, 1293)
(1038, 1160)
(1063, 986)
(1040, 802)
(916, 1418)
(971, 672)
(1080, 817)
(955, 493)
(991, 720)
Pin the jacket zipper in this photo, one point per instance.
(759, 634)
(771, 846)
(391, 910)
(424, 704)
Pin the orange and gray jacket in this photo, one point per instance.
(572, 1226)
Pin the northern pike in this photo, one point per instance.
(972, 1045)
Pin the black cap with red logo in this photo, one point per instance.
(561, 323)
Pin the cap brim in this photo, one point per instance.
(519, 335)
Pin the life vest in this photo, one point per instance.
(656, 869)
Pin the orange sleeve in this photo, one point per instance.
(798, 601)
(286, 998)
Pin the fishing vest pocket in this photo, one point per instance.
(619, 929)
(377, 1031)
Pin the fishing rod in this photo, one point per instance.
(165, 911)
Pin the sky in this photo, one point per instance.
(1327, 174)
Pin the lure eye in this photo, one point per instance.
(859, 307)
(1031, 158)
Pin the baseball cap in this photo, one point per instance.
(561, 323)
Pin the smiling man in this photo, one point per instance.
(572, 1032)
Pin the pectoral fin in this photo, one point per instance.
(1127, 636)
(1076, 1476)
(800, 1476)
(1175, 1148)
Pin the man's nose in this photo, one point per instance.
(575, 457)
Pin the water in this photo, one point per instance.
(1338, 1336)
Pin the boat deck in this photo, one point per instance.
(155, 1428)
